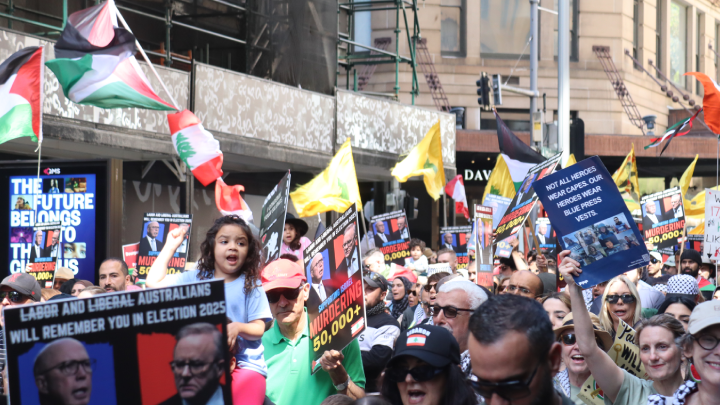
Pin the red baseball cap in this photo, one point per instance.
(282, 273)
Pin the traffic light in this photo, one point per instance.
(497, 89)
(410, 204)
(483, 90)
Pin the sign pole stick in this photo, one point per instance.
(532, 230)
(682, 244)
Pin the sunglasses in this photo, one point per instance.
(570, 339)
(429, 287)
(509, 390)
(626, 298)
(419, 374)
(13, 296)
(654, 261)
(450, 312)
(273, 296)
(413, 293)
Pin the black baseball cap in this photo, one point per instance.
(376, 280)
(23, 283)
(434, 345)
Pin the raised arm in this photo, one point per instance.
(607, 374)
(158, 271)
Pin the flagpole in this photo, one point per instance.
(122, 21)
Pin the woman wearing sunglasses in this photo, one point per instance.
(655, 337)
(424, 370)
(570, 380)
(620, 300)
(700, 346)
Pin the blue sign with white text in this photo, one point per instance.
(592, 221)
(68, 199)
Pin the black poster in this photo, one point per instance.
(45, 250)
(134, 347)
(154, 234)
(336, 306)
(272, 222)
(392, 236)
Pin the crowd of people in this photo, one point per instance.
(430, 339)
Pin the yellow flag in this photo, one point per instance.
(695, 208)
(571, 161)
(425, 159)
(687, 176)
(698, 230)
(335, 189)
(626, 176)
(500, 181)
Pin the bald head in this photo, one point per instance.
(63, 373)
(525, 283)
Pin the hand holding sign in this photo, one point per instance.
(569, 268)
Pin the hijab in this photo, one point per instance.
(399, 306)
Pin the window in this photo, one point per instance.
(636, 29)
(362, 30)
(573, 32)
(452, 27)
(658, 36)
(678, 42)
(504, 28)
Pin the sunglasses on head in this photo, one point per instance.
(508, 390)
(570, 339)
(626, 298)
(419, 374)
(290, 294)
(13, 296)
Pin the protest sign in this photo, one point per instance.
(457, 239)
(592, 221)
(499, 204)
(483, 244)
(336, 306)
(626, 354)
(545, 234)
(438, 268)
(130, 254)
(712, 224)
(272, 221)
(120, 348)
(695, 242)
(154, 233)
(525, 198)
(44, 252)
(504, 248)
(663, 218)
(391, 236)
(69, 200)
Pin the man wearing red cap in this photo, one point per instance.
(288, 346)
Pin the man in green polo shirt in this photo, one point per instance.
(287, 346)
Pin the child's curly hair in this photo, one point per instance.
(253, 262)
(415, 242)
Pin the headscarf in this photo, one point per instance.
(399, 306)
(67, 286)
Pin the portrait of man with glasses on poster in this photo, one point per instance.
(63, 373)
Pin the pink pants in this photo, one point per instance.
(248, 387)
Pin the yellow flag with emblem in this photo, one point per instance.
(335, 189)
(425, 159)
(571, 161)
(626, 179)
(500, 181)
(687, 176)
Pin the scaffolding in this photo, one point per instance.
(354, 56)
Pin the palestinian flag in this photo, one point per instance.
(21, 79)
(95, 64)
(679, 129)
(515, 160)
(196, 146)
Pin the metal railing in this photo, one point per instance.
(11, 8)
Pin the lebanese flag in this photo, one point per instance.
(196, 146)
(21, 80)
(95, 64)
(229, 201)
(455, 188)
(711, 100)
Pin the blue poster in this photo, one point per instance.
(585, 208)
(68, 199)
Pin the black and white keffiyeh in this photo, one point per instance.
(683, 284)
(561, 382)
(678, 398)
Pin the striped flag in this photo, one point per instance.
(679, 129)
(196, 146)
(95, 64)
(455, 188)
(21, 78)
(229, 201)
